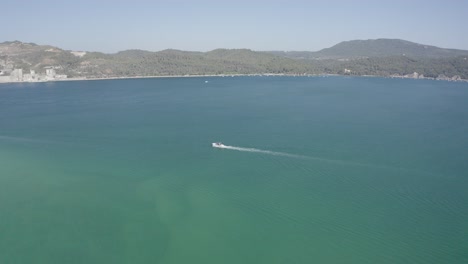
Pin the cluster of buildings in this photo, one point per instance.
(440, 77)
(17, 75)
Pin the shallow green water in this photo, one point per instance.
(122, 171)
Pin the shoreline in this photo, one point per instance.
(153, 76)
(227, 75)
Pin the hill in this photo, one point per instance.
(143, 63)
(382, 57)
(375, 48)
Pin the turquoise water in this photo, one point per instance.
(350, 170)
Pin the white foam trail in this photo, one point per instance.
(265, 152)
(288, 155)
(275, 153)
(338, 162)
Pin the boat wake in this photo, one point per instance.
(264, 152)
(333, 161)
(284, 154)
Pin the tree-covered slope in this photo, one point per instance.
(387, 47)
(375, 48)
(370, 57)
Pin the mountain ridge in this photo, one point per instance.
(374, 48)
(382, 57)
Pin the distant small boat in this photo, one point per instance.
(218, 145)
(206, 81)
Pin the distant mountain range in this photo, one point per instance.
(382, 57)
(375, 48)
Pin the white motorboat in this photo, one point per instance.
(218, 145)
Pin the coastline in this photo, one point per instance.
(168, 76)
(144, 77)
(227, 75)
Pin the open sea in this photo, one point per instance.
(319, 170)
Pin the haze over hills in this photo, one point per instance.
(382, 57)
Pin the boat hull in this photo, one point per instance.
(217, 145)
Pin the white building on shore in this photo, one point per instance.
(16, 75)
(30, 77)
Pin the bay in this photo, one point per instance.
(323, 170)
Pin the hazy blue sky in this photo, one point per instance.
(110, 26)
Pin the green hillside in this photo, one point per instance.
(382, 57)
(375, 48)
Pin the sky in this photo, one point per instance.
(111, 26)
